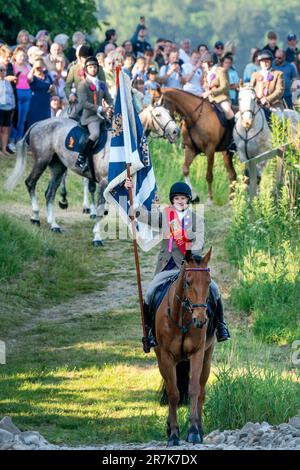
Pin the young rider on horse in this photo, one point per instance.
(216, 87)
(268, 84)
(91, 92)
(182, 229)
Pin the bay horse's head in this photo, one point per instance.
(247, 105)
(197, 280)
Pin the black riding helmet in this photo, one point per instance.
(181, 189)
(91, 61)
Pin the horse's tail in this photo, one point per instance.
(21, 160)
(183, 380)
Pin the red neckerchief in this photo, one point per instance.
(177, 230)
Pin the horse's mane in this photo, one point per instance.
(183, 92)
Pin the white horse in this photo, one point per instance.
(47, 144)
(252, 134)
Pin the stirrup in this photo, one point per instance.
(222, 332)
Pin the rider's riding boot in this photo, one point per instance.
(81, 161)
(221, 330)
(231, 147)
(149, 341)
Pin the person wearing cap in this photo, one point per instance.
(91, 92)
(292, 50)
(192, 72)
(217, 52)
(181, 229)
(272, 43)
(151, 85)
(216, 86)
(268, 84)
(290, 76)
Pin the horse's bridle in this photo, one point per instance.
(246, 139)
(162, 128)
(186, 304)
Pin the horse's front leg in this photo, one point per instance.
(203, 380)
(92, 187)
(86, 205)
(189, 155)
(101, 211)
(167, 369)
(196, 361)
(228, 162)
(210, 153)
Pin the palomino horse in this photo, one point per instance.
(183, 332)
(155, 119)
(47, 143)
(201, 131)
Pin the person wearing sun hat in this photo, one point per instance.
(268, 84)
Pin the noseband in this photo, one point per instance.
(187, 305)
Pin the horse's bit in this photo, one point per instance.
(187, 304)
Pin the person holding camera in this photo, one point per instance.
(170, 75)
(41, 85)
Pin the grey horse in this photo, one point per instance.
(47, 144)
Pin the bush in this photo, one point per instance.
(264, 243)
(249, 394)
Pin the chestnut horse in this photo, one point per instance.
(183, 332)
(201, 132)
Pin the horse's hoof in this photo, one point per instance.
(196, 200)
(56, 230)
(97, 243)
(194, 436)
(93, 216)
(35, 222)
(173, 441)
(209, 202)
(86, 210)
(63, 205)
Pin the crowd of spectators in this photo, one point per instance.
(39, 76)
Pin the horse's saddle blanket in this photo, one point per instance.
(160, 292)
(78, 136)
(220, 115)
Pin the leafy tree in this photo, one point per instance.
(57, 16)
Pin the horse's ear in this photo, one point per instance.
(188, 256)
(241, 83)
(206, 257)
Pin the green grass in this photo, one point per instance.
(76, 372)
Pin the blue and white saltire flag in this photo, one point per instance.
(129, 145)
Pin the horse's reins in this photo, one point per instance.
(186, 304)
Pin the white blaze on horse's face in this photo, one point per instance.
(247, 101)
(164, 124)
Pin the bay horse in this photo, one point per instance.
(183, 332)
(201, 132)
(47, 142)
